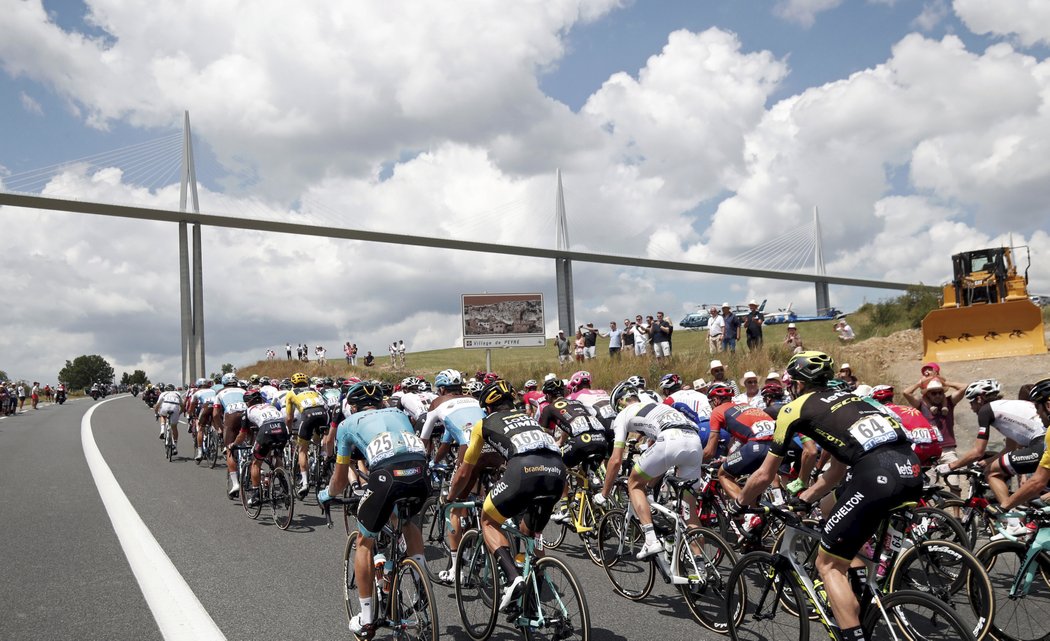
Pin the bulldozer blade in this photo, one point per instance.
(1012, 328)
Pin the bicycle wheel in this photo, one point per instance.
(934, 524)
(804, 550)
(282, 498)
(914, 616)
(755, 595)
(554, 597)
(951, 573)
(706, 560)
(214, 446)
(590, 514)
(619, 539)
(349, 514)
(477, 586)
(554, 533)
(351, 601)
(413, 615)
(246, 482)
(435, 547)
(1022, 617)
(970, 518)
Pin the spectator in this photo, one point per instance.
(288, 350)
(590, 341)
(321, 355)
(731, 334)
(937, 401)
(628, 336)
(844, 331)
(353, 354)
(615, 337)
(700, 385)
(34, 395)
(641, 336)
(661, 335)
(348, 352)
(21, 396)
(846, 375)
(716, 326)
(401, 353)
(393, 353)
(793, 339)
(752, 394)
(579, 345)
(562, 344)
(753, 326)
(718, 375)
(369, 360)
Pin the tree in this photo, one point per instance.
(138, 377)
(125, 379)
(227, 368)
(3, 375)
(85, 370)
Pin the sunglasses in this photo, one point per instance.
(717, 371)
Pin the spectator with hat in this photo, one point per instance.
(844, 331)
(753, 326)
(793, 339)
(752, 394)
(731, 334)
(718, 375)
(716, 326)
(846, 375)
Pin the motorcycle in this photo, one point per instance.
(95, 393)
(60, 396)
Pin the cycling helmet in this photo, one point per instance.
(243, 384)
(448, 378)
(553, 387)
(254, 378)
(285, 384)
(253, 397)
(772, 391)
(410, 383)
(579, 380)
(217, 379)
(670, 382)
(489, 377)
(328, 382)
(364, 394)
(837, 384)
(863, 390)
(474, 388)
(882, 393)
(200, 383)
(721, 391)
(264, 380)
(1040, 392)
(229, 379)
(169, 388)
(530, 385)
(386, 388)
(621, 392)
(299, 378)
(423, 386)
(983, 387)
(811, 367)
(636, 381)
(495, 393)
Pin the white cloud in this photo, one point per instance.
(30, 104)
(1027, 20)
(933, 13)
(803, 12)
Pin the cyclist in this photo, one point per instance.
(676, 443)
(925, 438)
(745, 424)
(883, 472)
(383, 438)
(271, 435)
(168, 407)
(531, 396)
(227, 408)
(671, 386)
(411, 402)
(535, 476)
(1037, 482)
(581, 436)
(595, 400)
(306, 407)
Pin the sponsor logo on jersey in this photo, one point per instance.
(881, 480)
(408, 471)
(846, 508)
(907, 471)
(540, 469)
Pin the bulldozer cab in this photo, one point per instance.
(986, 311)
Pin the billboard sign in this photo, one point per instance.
(502, 320)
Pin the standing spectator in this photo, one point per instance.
(615, 337)
(3, 398)
(322, 355)
(628, 336)
(716, 326)
(732, 330)
(401, 353)
(793, 340)
(937, 398)
(21, 396)
(353, 354)
(562, 345)
(590, 341)
(34, 395)
(393, 353)
(579, 345)
(718, 375)
(661, 335)
(844, 331)
(751, 395)
(288, 350)
(641, 336)
(47, 394)
(753, 326)
(846, 375)
(348, 352)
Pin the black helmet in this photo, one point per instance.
(328, 382)
(811, 367)
(253, 397)
(1040, 392)
(621, 393)
(496, 393)
(367, 393)
(553, 387)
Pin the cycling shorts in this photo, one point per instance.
(273, 435)
(231, 426)
(747, 458)
(312, 418)
(674, 447)
(530, 481)
(590, 447)
(1024, 460)
(204, 414)
(171, 410)
(406, 479)
(882, 480)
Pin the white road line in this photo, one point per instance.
(179, 614)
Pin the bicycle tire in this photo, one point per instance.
(972, 520)
(253, 512)
(1014, 616)
(552, 595)
(413, 611)
(618, 541)
(809, 547)
(705, 594)
(214, 447)
(435, 545)
(554, 534)
(934, 524)
(941, 623)
(282, 498)
(589, 538)
(477, 586)
(951, 573)
(351, 602)
(755, 595)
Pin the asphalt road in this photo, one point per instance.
(66, 574)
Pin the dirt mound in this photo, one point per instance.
(887, 351)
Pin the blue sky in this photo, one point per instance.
(684, 130)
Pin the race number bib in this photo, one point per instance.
(532, 440)
(606, 411)
(386, 445)
(309, 401)
(582, 424)
(239, 406)
(763, 429)
(921, 435)
(266, 413)
(872, 431)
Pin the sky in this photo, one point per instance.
(690, 131)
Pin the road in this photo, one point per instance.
(67, 574)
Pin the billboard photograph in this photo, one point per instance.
(502, 320)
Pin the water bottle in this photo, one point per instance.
(822, 595)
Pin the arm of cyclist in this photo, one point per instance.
(1031, 488)
(808, 461)
(760, 480)
(827, 481)
(464, 476)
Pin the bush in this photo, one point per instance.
(903, 312)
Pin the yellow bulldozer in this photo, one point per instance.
(986, 311)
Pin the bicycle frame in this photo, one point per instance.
(524, 620)
(664, 565)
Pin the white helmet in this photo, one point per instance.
(983, 387)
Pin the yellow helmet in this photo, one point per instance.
(299, 378)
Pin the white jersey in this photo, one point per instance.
(413, 404)
(270, 393)
(171, 398)
(262, 413)
(695, 400)
(751, 401)
(1016, 420)
(650, 419)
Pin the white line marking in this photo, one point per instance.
(179, 614)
